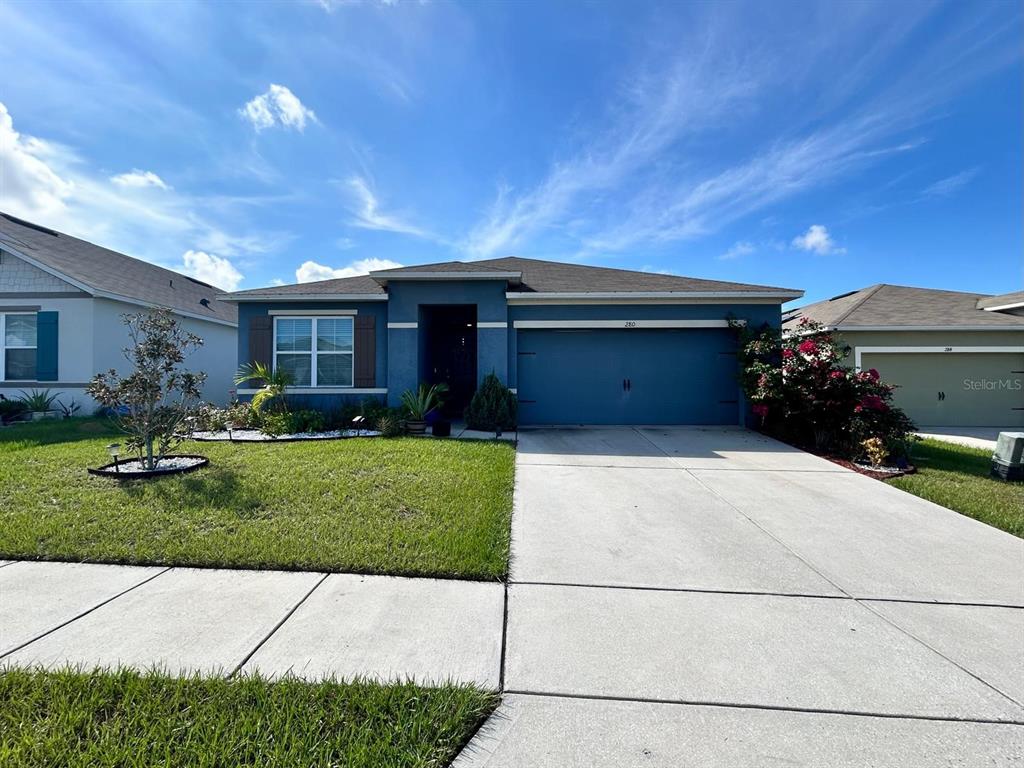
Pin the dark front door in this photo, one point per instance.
(451, 353)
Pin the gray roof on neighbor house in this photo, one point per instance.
(537, 277)
(895, 306)
(105, 272)
(1002, 300)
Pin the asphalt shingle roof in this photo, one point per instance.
(1001, 300)
(887, 306)
(537, 277)
(107, 271)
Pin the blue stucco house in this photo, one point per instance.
(577, 344)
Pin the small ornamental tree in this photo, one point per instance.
(152, 401)
(493, 406)
(801, 391)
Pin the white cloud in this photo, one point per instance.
(211, 269)
(278, 106)
(947, 186)
(310, 271)
(366, 212)
(52, 185)
(138, 179)
(742, 248)
(817, 240)
(29, 187)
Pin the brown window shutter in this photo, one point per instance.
(365, 351)
(261, 339)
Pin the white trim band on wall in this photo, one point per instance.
(403, 325)
(492, 325)
(628, 324)
(324, 391)
(312, 312)
(931, 350)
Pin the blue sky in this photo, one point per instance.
(822, 146)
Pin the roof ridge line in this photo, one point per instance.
(871, 291)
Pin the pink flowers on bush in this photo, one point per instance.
(808, 347)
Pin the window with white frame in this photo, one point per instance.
(316, 351)
(18, 346)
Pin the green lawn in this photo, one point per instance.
(403, 506)
(128, 719)
(958, 477)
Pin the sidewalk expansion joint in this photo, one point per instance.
(277, 626)
(769, 708)
(86, 612)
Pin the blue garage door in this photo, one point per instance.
(637, 376)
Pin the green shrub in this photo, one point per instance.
(801, 392)
(305, 421)
(493, 406)
(276, 424)
(213, 419)
(39, 400)
(390, 425)
(11, 410)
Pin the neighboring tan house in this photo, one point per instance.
(61, 303)
(578, 344)
(958, 358)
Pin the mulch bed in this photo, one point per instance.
(860, 469)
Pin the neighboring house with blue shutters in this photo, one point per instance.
(61, 303)
(578, 344)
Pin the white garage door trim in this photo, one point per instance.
(582, 324)
(933, 350)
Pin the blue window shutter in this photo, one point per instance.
(46, 346)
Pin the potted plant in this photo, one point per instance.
(420, 403)
(40, 404)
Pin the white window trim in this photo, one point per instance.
(4, 347)
(314, 352)
(929, 350)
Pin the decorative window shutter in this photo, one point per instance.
(365, 351)
(261, 342)
(46, 346)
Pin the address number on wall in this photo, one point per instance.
(630, 324)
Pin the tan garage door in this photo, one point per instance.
(961, 389)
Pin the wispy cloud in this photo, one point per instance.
(310, 271)
(741, 248)
(655, 170)
(367, 214)
(137, 179)
(951, 184)
(817, 240)
(278, 106)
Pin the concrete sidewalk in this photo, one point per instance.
(710, 597)
(312, 625)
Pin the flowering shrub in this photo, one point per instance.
(801, 391)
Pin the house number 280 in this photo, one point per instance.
(631, 323)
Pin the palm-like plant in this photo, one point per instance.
(418, 404)
(272, 383)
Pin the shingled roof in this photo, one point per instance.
(896, 306)
(533, 277)
(103, 272)
(1004, 300)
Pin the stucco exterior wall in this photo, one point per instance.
(216, 357)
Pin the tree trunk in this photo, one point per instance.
(149, 453)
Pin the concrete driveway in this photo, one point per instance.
(710, 597)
